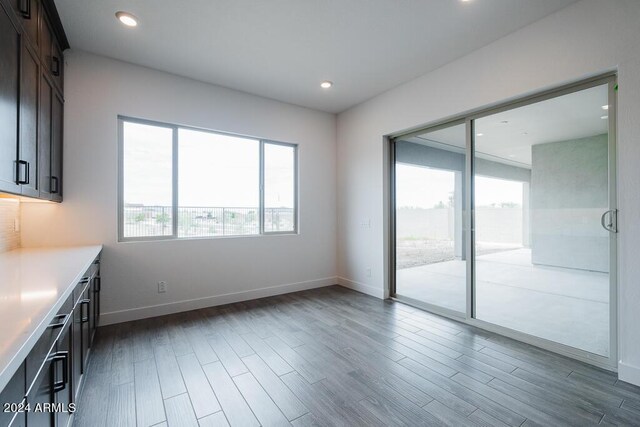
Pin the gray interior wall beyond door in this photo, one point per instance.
(569, 193)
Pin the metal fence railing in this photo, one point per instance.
(146, 221)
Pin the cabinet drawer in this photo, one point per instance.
(13, 393)
(42, 348)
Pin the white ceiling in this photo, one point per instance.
(572, 116)
(283, 49)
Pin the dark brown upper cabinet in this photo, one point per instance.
(44, 137)
(32, 42)
(10, 169)
(57, 107)
(28, 12)
(28, 147)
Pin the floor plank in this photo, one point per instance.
(259, 401)
(180, 412)
(202, 397)
(214, 420)
(233, 404)
(288, 403)
(171, 382)
(149, 405)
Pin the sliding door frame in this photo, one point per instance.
(392, 215)
(469, 317)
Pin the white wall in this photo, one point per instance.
(97, 89)
(587, 38)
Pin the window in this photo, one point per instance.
(178, 182)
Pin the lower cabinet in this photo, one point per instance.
(62, 384)
(44, 390)
(13, 395)
(40, 395)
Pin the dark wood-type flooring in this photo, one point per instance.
(332, 356)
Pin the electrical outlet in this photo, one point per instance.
(162, 287)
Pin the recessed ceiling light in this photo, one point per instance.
(326, 84)
(604, 117)
(479, 134)
(605, 107)
(127, 19)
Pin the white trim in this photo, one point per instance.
(629, 373)
(194, 304)
(361, 287)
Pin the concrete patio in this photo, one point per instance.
(565, 305)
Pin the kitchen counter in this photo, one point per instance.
(34, 283)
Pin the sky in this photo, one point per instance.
(422, 187)
(214, 170)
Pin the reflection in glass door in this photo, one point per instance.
(430, 239)
(541, 187)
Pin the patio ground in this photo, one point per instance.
(564, 305)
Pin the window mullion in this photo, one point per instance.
(174, 176)
(261, 183)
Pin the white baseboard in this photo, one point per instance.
(629, 373)
(361, 287)
(194, 304)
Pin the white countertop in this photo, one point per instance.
(34, 283)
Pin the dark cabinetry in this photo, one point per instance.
(9, 83)
(45, 388)
(28, 12)
(31, 98)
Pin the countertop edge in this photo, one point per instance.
(7, 373)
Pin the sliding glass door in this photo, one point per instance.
(538, 261)
(430, 176)
(541, 181)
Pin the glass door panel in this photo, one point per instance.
(541, 188)
(430, 203)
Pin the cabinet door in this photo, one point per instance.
(76, 344)
(13, 393)
(29, 12)
(44, 137)
(57, 107)
(40, 394)
(46, 40)
(57, 64)
(85, 303)
(63, 389)
(92, 309)
(28, 147)
(9, 84)
(96, 300)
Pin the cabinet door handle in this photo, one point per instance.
(55, 189)
(83, 318)
(55, 66)
(60, 323)
(61, 356)
(25, 9)
(19, 170)
(97, 285)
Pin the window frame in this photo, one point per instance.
(175, 174)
